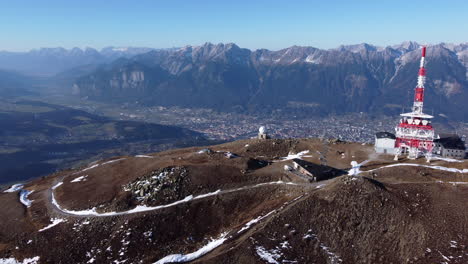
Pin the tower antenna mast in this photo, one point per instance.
(414, 133)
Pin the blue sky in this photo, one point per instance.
(251, 24)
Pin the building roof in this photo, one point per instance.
(319, 171)
(451, 142)
(385, 135)
(422, 115)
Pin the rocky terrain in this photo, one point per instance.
(242, 202)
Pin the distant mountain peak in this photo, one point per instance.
(356, 48)
(407, 46)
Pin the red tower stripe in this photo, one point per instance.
(422, 72)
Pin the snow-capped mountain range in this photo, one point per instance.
(353, 78)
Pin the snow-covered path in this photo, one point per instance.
(420, 165)
(177, 258)
(214, 243)
(55, 221)
(143, 208)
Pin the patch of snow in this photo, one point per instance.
(456, 183)
(207, 194)
(299, 155)
(254, 221)
(270, 256)
(310, 59)
(81, 212)
(100, 164)
(230, 155)
(138, 209)
(178, 258)
(143, 156)
(81, 178)
(24, 198)
(453, 244)
(161, 176)
(285, 244)
(56, 185)
(334, 258)
(425, 166)
(205, 151)
(90, 167)
(144, 208)
(445, 257)
(14, 188)
(55, 221)
(446, 159)
(14, 261)
(112, 161)
(269, 183)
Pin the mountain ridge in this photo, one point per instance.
(51, 61)
(353, 78)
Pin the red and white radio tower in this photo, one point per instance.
(414, 133)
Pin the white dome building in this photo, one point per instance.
(262, 134)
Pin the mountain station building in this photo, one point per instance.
(450, 146)
(385, 143)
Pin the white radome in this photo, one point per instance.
(262, 130)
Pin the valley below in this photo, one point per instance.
(39, 138)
